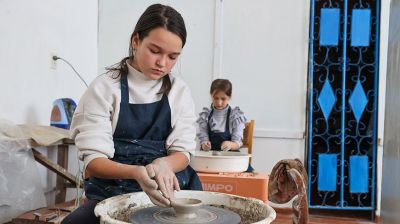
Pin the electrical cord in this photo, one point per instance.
(79, 174)
(55, 58)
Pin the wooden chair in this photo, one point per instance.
(248, 133)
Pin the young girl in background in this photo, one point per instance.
(221, 127)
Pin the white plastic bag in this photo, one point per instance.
(20, 186)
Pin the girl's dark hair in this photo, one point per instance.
(153, 17)
(223, 85)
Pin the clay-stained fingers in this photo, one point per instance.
(158, 199)
(149, 183)
(225, 146)
(151, 170)
(176, 184)
(163, 186)
(206, 146)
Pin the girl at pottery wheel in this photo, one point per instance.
(134, 126)
(221, 127)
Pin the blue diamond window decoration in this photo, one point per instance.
(326, 99)
(358, 100)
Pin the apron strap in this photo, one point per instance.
(227, 120)
(124, 88)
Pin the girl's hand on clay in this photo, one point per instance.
(228, 145)
(206, 146)
(150, 187)
(164, 176)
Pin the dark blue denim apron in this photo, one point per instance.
(217, 138)
(139, 138)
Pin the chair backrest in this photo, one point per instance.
(248, 133)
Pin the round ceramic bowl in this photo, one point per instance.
(116, 210)
(219, 161)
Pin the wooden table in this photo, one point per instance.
(48, 136)
(60, 168)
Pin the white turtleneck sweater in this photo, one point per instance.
(96, 116)
(217, 123)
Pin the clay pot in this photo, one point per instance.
(185, 208)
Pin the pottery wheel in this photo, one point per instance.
(206, 214)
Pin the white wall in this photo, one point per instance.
(390, 196)
(264, 54)
(30, 32)
(384, 36)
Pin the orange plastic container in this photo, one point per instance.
(242, 184)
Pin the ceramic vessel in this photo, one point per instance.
(186, 208)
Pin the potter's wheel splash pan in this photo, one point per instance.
(219, 162)
(116, 210)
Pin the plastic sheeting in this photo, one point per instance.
(20, 186)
